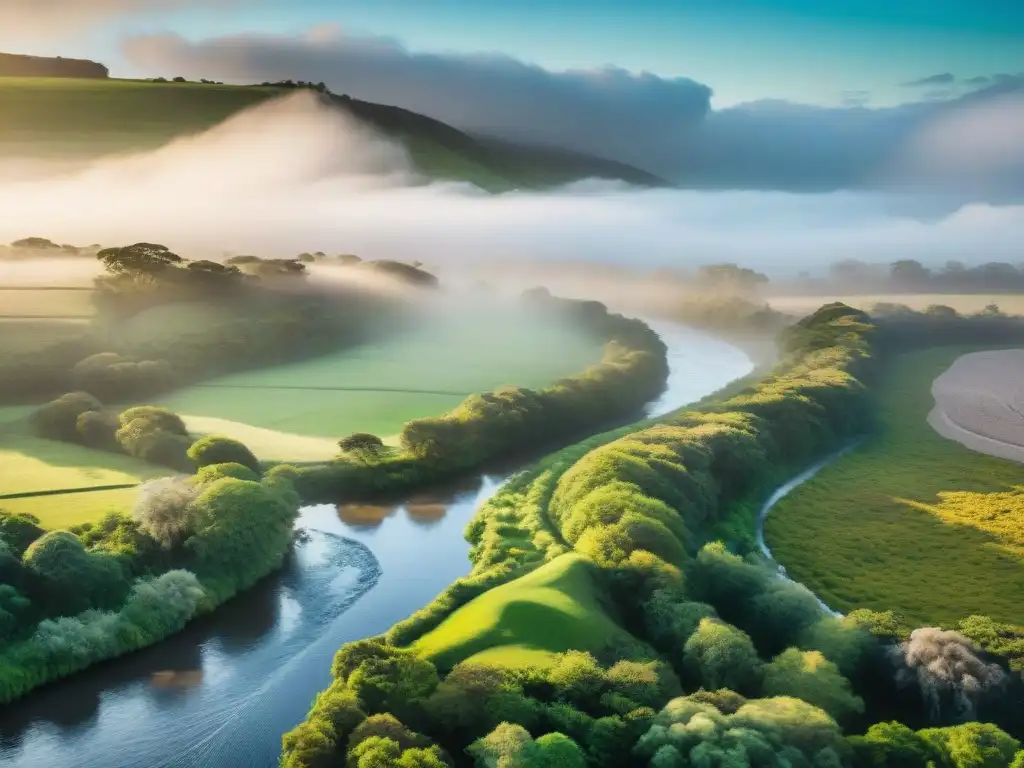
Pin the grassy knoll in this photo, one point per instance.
(378, 387)
(555, 608)
(909, 521)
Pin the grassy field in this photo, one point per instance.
(299, 411)
(556, 608)
(909, 521)
(38, 303)
(66, 510)
(31, 465)
(965, 303)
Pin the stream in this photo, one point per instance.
(223, 691)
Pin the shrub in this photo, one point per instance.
(160, 418)
(164, 509)
(77, 580)
(18, 531)
(721, 656)
(362, 444)
(214, 449)
(808, 675)
(58, 419)
(97, 430)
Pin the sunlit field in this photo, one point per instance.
(965, 303)
(299, 411)
(909, 521)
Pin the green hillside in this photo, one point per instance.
(67, 118)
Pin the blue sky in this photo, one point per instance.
(814, 51)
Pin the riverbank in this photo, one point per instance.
(905, 508)
(220, 720)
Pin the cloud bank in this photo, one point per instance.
(296, 176)
(662, 125)
(50, 18)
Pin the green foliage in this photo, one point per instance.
(17, 532)
(97, 429)
(891, 745)
(809, 676)
(214, 449)
(212, 472)
(75, 580)
(720, 656)
(58, 419)
(240, 530)
(113, 377)
(972, 745)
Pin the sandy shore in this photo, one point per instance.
(979, 402)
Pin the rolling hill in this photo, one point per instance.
(72, 118)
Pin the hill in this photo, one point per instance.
(64, 118)
(16, 65)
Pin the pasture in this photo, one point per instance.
(556, 608)
(298, 411)
(964, 303)
(34, 465)
(909, 508)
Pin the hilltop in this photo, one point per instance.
(69, 118)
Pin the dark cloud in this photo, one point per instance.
(979, 80)
(943, 78)
(663, 125)
(601, 111)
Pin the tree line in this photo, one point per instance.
(666, 510)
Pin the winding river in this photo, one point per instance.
(223, 691)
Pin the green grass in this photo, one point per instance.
(909, 521)
(63, 511)
(32, 465)
(377, 388)
(556, 608)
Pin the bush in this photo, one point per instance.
(113, 377)
(58, 419)
(76, 580)
(721, 656)
(214, 449)
(160, 418)
(164, 509)
(18, 531)
(98, 430)
(808, 675)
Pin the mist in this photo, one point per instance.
(295, 175)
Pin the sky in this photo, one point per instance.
(840, 52)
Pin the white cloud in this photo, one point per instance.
(292, 177)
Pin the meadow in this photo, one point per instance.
(556, 608)
(909, 508)
(964, 303)
(298, 411)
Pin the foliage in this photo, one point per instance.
(809, 676)
(112, 377)
(75, 580)
(214, 449)
(17, 532)
(58, 419)
(164, 509)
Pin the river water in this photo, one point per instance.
(223, 691)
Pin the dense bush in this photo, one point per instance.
(112, 377)
(75, 579)
(18, 531)
(214, 449)
(58, 419)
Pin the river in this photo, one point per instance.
(223, 691)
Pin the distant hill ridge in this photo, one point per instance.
(18, 65)
(69, 108)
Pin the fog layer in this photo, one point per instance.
(295, 175)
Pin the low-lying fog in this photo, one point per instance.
(295, 176)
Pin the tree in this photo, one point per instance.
(362, 444)
(808, 675)
(58, 419)
(909, 273)
(721, 656)
(164, 509)
(18, 531)
(216, 449)
(77, 580)
(143, 261)
(973, 745)
(730, 277)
